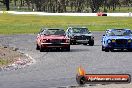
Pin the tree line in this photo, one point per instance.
(61, 6)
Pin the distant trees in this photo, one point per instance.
(95, 4)
(61, 6)
(6, 3)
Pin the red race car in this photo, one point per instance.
(53, 38)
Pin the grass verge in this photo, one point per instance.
(8, 56)
(4, 62)
(18, 24)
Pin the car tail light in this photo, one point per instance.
(109, 41)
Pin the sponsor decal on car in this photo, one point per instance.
(83, 78)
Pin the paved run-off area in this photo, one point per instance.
(55, 69)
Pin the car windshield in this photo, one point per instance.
(80, 30)
(53, 32)
(120, 32)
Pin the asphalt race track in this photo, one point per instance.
(57, 69)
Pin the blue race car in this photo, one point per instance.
(117, 39)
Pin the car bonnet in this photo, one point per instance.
(119, 37)
(53, 37)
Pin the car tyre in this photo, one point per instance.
(41, 49)
(37, 47)
(112, 50)
(91, 43)
(103, 49)
(130, 50)
(106, 49)
(68, 48)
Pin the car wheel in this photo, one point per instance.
(41, 49)
(106, 49)
(68, 48)
(91, 43)
(103, 49)
(37, 47)
(111, 50)
(130, 50)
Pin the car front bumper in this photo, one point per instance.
(80, 41)
(55, 45)
(119, 46)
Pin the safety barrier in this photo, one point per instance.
(66, 14)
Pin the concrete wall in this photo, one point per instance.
(65, 14)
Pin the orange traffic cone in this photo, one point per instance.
(81, 71)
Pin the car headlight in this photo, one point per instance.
(67, 40)
(113, 40)
(44, 40)
(109, 41)
(129, 41)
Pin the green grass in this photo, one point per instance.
(4, 62)
(18, 24)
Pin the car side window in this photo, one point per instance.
(68, 33)
(106, 33)
(46, 32)
(41, 31)
(70, 30)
